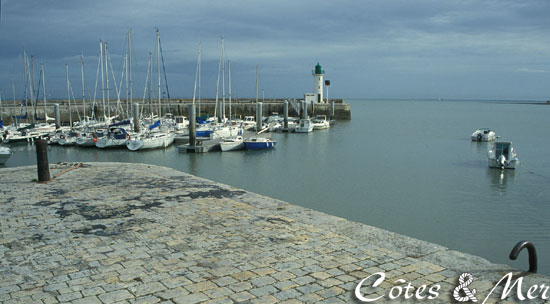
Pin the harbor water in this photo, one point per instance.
(407, 166)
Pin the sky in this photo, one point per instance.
(456, 49)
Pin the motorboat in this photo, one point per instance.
(502, 155)
(232, 144)
(249, 122)
(484, 134)
(259, 143)
(320, 122)
(5, 154)
(304, 126)
(151, 140)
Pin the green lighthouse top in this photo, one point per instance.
(318, 69)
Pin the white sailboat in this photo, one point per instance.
(232, 144)
(152, 140)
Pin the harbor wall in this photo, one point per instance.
(239, 108)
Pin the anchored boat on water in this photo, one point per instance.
(484, 134)
(503, 156)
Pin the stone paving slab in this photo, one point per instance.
(137, 233)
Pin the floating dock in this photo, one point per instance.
(138, 233)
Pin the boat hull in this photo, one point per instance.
(259, 145)
(234, 146)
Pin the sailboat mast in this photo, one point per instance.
(158, 71)
(33, 91)
(130, 64)
(44, 92)
(229, 76)
(218, 87)
(107, 79)
(127, 88)
(223, 82)
(102, 76)
(200, 51)
(83, 88)
(151, 83)
(69, 96)
(14, 103)
(256, 83)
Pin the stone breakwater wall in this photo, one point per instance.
(342, 110)
(137, 233)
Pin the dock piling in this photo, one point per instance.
(285, 126)
(304, 109)
(192, 120)
(42, 164)
(259, 117)
(332, 110)
(57, 115)
(135, 114)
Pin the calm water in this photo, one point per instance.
(402, 165)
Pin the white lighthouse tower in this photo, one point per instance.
(318, 83)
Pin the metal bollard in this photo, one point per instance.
(532, 254)
(42, 164)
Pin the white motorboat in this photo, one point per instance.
(232, 144)
(484, 134)
(5, 154)
(181, 123)
(304, 126)
(249, 122)
(502, 155)
(152, 140)
(320, 122)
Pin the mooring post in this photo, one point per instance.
(304, 109)
(332, 110)
(57, 115)
(259, 117)
(312, 108)
(135, 114)
(285, 126)
(192, 120)
(42, 164)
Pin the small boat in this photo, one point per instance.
(249, 122)
(232, 144)
(502, 156)
(484, 134)
(5, 154)
(320, 122)
(304, 126)
(259, 143)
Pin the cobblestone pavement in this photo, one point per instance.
(135, 233)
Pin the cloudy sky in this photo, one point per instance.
(373, 49)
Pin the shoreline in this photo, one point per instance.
(171, 233)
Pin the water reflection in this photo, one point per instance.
(480, 147)
(499, 179)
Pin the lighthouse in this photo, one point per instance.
(318, 75)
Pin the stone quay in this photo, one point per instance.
(136, 233)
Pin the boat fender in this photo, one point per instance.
(479, 136)
(62, 136)
(127, 136)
